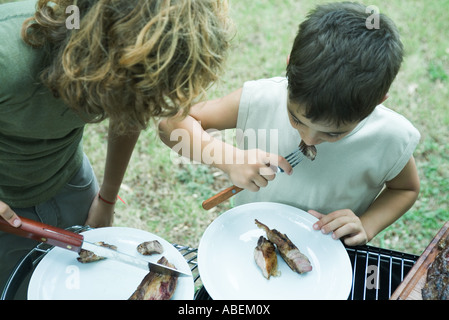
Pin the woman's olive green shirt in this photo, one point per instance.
(40, 137)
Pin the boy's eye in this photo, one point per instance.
(296, 121)
(333, 135)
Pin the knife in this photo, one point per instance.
(75, 242)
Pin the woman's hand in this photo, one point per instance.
(343, 224)
(10, 216)
(101, 214)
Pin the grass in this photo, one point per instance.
(164, 197)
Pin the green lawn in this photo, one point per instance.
(165, 198)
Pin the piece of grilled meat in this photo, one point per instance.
(308, 151)
(266, 258)
(150, 247)
(296, 260)
(86, 256)
(156, 286)
(437, 284)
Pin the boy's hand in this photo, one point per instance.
(255, 168)
(343, 224)
(10, 216)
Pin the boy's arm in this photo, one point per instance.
(218, 114)
(396, 199)
(398, 196)
(190, 138)
(189, 134)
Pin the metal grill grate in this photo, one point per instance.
(191, 254)
(377, 272)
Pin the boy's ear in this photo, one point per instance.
(384, 98)
(288, 59)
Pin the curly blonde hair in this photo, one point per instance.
(131, 60)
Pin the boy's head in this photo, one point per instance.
(339, 69)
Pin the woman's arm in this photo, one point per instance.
(119, 151)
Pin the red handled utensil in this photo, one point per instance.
(45, 233)
(75, 242)
(220, 197)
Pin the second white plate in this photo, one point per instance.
(226, 257)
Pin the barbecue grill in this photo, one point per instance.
(376, 272)
(387, 268)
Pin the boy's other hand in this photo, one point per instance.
(10, 216)
(343, 224)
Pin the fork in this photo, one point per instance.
(293, 158)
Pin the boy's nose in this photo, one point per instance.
(310, 138)
(311, 142)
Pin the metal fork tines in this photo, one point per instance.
(293, 158)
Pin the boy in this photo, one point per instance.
(339, 72)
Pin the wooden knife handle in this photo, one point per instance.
(220, 197)
(44, 233)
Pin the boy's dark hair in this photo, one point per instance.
(339, 69)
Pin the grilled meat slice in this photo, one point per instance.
(296, 260)
(86, 256)
(156, 286)
(150, 247)
(266, 258)
(308, 151)
(437, 284)
(436, 288)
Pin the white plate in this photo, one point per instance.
(226, 257)
(59, 276)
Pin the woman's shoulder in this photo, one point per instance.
(20, 64)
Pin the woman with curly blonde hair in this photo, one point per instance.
(130, 61)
